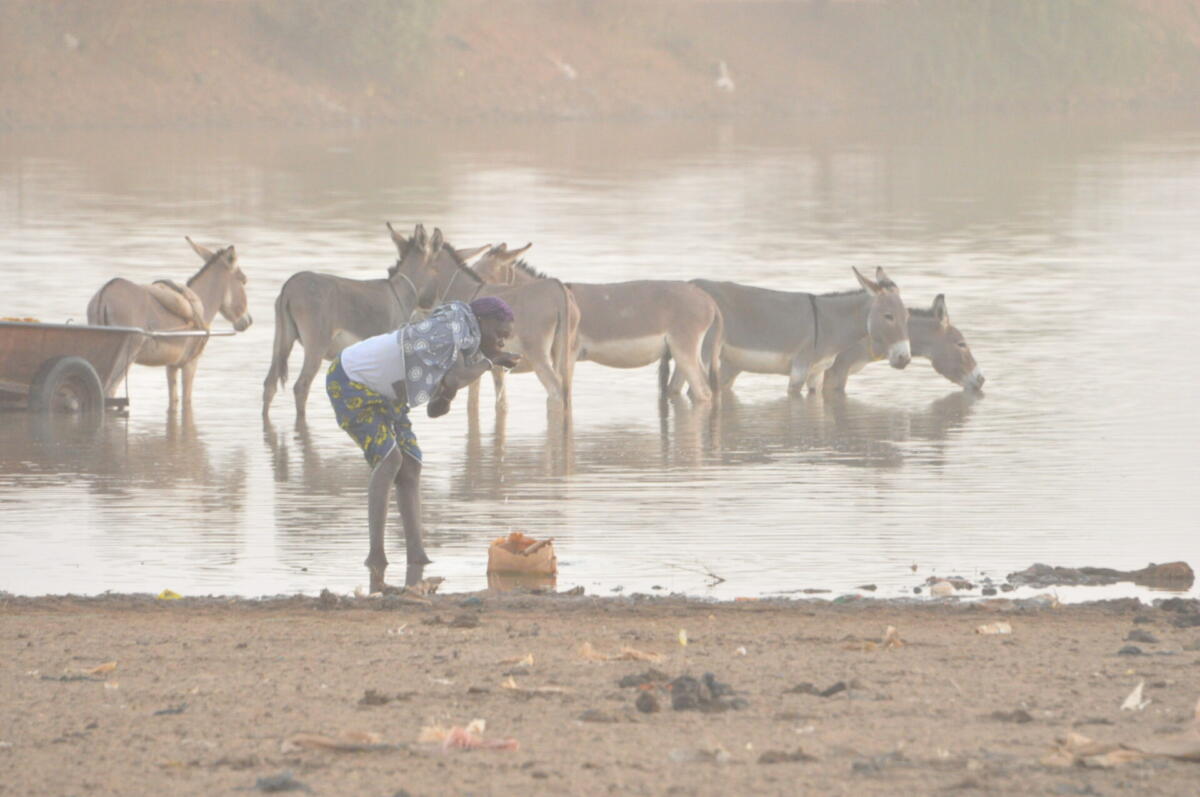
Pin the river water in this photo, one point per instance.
(1066, 250)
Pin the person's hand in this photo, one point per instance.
(506, 359)
(438, 406)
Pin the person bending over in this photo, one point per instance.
(372, 385)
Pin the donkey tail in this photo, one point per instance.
(715, 338)
(568, 329)
(285, 337)
(97, 309)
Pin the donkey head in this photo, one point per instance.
(234, 305)
(429, 264)
(933, 336)
(887, 320)
(422, 257)
(498, 266)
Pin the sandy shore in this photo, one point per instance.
(207, 695)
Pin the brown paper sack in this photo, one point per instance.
(518, 553)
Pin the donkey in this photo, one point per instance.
(801, 334)
(932, 336)
(164, 306)
(536, 327)
(634, 324)
(326, 313)
(546, 318)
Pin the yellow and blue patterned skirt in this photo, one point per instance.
(374, 421)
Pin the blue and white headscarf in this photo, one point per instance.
(431, 347)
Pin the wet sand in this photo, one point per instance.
(206, 692)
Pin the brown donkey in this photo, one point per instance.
(164, 306)
(634, 324)
(932, 336)
(546, 318)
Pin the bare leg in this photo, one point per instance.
(408, 499)
(377, 503)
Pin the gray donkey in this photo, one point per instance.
(932, 337)
(326, 313)
(801, 334)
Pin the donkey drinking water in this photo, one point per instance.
(801, 334)
(165, 306)
(932, 336)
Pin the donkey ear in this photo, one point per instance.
(514, 254)
(868, 286)
(883, 279)
(436, 241)
(205, 253)
(471, 257)
(399, 240)
(939, 310)
(419, 237)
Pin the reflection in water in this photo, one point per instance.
(1030, 227)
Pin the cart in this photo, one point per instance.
(70, 367)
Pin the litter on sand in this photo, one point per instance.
(891, 639)
(510, 683)
(346, 742)
(1000, 627)
(469, 737)
(625, 654)
(1134, 701)
(1078, 750)
(168, 595)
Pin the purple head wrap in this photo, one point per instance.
(492, 307)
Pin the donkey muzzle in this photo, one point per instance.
(899, 355)
(243, 322)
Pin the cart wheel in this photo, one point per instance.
(67, 384)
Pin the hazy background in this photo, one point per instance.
(1035, 161)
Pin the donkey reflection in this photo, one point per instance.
(837, 430)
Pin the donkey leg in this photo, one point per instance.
(189, 374)
(304, 379)
(687, 360)
(498, 381)
(270, 385)
(473, 398)
(172, 395)
(815, 380)
(798, 376)
(549, 379)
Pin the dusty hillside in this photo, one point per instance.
(76, 63)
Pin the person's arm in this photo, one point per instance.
(461, 375)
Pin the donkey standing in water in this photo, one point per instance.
(326, 313)
(634, 324)
(546, 316)
(540, 316)
(165, 306)
(932, 336)
(801, 334)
